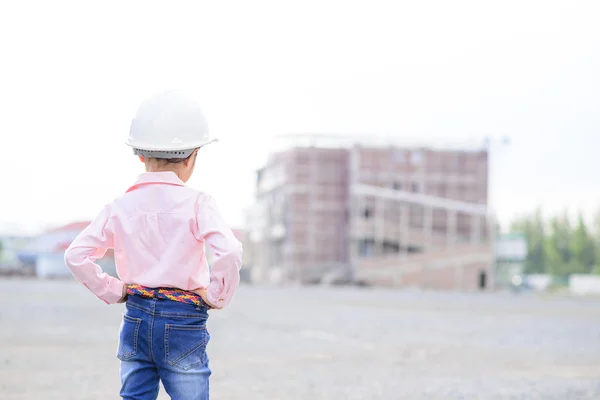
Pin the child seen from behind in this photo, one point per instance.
(158, 230)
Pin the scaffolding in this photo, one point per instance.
(326, 207)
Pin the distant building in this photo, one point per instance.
(11, 246)
(378, 214)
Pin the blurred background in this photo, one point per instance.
(424, 169)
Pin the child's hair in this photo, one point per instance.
(166, 161)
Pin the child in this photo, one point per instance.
(158, 229)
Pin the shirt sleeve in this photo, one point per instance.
(81, 256)
(227, 253)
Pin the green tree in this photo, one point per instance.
(557, 247)
(533, 229)
(596, 241)
(582, 249)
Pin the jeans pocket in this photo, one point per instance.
(185, 345)
(128, 338)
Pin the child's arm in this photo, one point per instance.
(227, 253)
(89, 246)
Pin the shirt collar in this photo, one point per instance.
(164, 178)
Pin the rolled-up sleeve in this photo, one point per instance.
(81, 256)
(227, 252)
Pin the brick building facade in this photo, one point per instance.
(351, 212)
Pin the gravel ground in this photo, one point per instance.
(57, 341)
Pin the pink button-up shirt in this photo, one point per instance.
(158, 230)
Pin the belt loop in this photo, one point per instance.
(155, 293)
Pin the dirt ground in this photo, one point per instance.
(57, 341)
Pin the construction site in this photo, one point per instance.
(333, 209)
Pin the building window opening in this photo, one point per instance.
(391, 248)
(482, 280)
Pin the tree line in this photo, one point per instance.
(560, 246)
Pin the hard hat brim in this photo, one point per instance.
(182, 147)
(161, 154)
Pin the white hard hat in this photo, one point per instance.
(168, 125)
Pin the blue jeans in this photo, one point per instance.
(163, 340)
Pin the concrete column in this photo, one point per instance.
(451, 228)
(311, 220)
(475, 229)
(427, 231)
(379, 224)
(356, 233)
(427, 227)
(491, 225)
(354, 212)
(404, 228)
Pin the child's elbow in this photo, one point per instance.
(230, 255)
(239, 250)
(72, 258)
(235, 253)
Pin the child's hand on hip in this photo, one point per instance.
(124, 295)
(202, 293)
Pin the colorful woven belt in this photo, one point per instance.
(182, 296)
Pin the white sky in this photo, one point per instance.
(73, 73)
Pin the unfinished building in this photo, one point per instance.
(380, 214)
